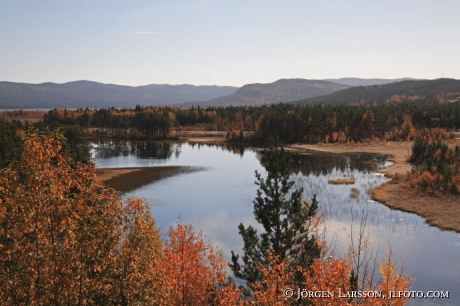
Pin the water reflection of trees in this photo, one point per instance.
(140, 149)
(325, 163)
(153, 149)
(232, 148)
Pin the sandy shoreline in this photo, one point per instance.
(442, 212)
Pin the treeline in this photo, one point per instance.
(327, 124)
(405, 121)
(150, 123)
(436, 167)
(348, 124)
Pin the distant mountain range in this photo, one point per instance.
(81, 94)
(283, 90)
(429, 91)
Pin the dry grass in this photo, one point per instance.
(442, 212)
(343, 181)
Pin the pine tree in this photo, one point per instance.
(287, 220)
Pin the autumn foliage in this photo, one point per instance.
(59, 228)
(195, 274)
(66, 239)
(327, 283)
(436, 168)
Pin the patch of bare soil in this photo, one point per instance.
(442, 212)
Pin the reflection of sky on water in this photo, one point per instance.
(218, 199)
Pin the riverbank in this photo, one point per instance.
(128, 179)
(442, 212)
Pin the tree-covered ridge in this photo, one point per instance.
(283, 90)
(365, 82)
(421, 91)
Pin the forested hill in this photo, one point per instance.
(81, 94)
(420, 91)
(280, 91)
(365, 82)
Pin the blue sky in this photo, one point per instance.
(212, 42)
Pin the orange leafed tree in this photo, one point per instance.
(195, 274)
(276, 277)
(329, 275)
(59, 228)
(66, 239)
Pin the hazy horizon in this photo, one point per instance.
(206, 42)
(93, 81)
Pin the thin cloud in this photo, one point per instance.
(208, 70)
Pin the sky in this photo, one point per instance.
(223, 42)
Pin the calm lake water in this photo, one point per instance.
(219, 197)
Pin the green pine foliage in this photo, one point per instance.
(284, 216)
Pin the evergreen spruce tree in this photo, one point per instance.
(284, 216)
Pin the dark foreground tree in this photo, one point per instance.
(288, 222)
(10, 144)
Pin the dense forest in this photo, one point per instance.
(402, 121)
(436, 167)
